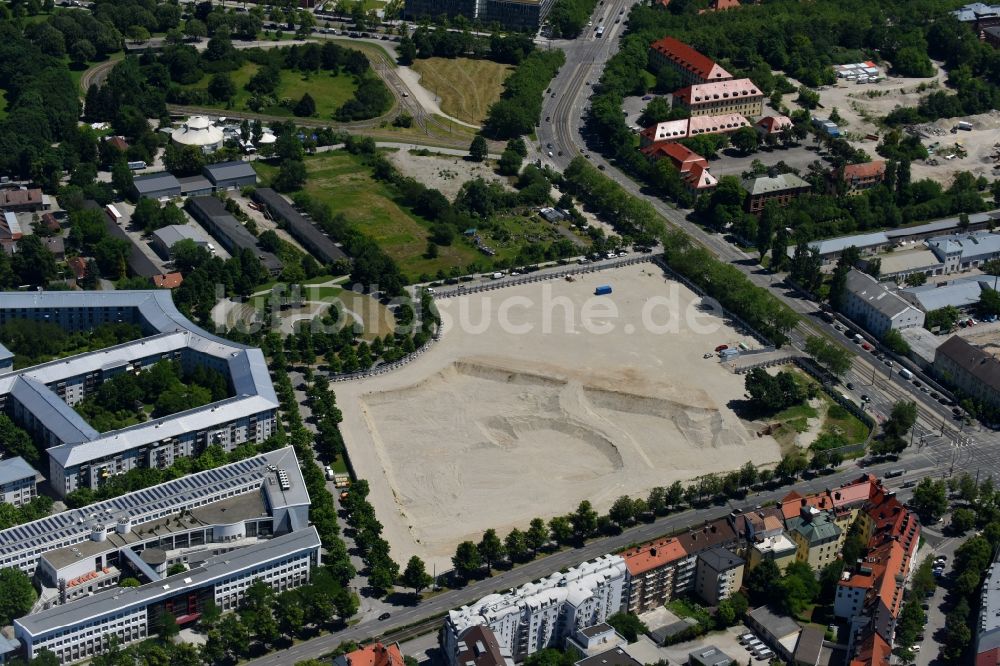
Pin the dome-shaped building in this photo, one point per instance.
(198, 131)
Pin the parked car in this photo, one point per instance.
(850, 386)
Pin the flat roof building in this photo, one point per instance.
(231, 234)
(709, 656)
(164, 238)
(230, 175)
(303, 230)
(613, 657)
(161, 185)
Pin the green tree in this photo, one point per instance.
(537, 536)
(415, 575)
(629, 626)
(516, 545)
(584, 520)
(962, 520)
(17, 595)
(746, 140)
(491, 548)
(305, 107)
(762, 581)
(561, 529)
(479, 150)
(221, 87)
(930, 500)
(622, 512)
(467, 560)
(894, 340)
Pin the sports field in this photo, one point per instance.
(466, 87)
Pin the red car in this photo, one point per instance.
(866, 347)
(721, 348)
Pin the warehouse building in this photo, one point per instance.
(212, 214)
(230, 175)
(161, 185)
(303, 230)
(872, 306)
(40, 398)
(166, 237)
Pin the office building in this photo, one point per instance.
(417, 10)
(231, 234)
(740, 96)
(969, 369)
(18, 481)
(84, 628)
(773, 125)
(693, 67)
(694, 168)
(543, 614)
(40, 398)
(876, 309)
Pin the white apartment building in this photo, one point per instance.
(544, 613)
(18, 481)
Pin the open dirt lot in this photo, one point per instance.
(493, 425)
(443, 172)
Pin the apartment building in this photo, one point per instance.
(816, 537)
(18, 481)
(477, 646)
(693, 67)
(719, 575)
(876, 309)
(84, 628)
(781, 189)
(40, 398)
(968, 368)
(544, 613)
(657, 572)
(988, 627)
(740, 96)
(860, 177)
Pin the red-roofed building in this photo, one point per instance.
(860, 177)
(740, 96)
(168, 280)
(692, 66)
(699, 179)
(874, 651)
(720, 5)
(119, 143)
(657, 571)
(675, 130)
(773, 124)
(23, 200)
(376, 654)
(78, 265)
(693, 167)
(50, 222)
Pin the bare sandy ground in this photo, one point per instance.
(444, 172)
(491, 427)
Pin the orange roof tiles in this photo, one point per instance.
(79, 267)
(688, 58)
(871, 169)
(874, 652)
(376, 654)
(653, 555)
(699, 177)
(675, 130)
(774, 124)
(168, 281)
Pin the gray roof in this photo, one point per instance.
(779, 183)
(978, 363)
(16, 469)
(810, 645)
(779, 626)
(868, 289)
(721, 559)
(304, 230)
(209, 210)
(5, 354)
(212, 570)
(978, 245)
(976, 10)
(988, 635)
(961, 293)
(228, 171)
(175, 233)
(945, 224)
(71, 527)
(860, 241)
(192, 183)
(709, 656)
(138, 262)
(613, 657)
(49, 409)
(155, 182)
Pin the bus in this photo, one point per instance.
(600, 31)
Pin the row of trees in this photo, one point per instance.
(519, 108)
(428, 42)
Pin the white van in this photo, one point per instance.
(496, 276)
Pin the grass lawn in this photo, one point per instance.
(346, 185)
(329, 92)
(842, 422)
(466, 87)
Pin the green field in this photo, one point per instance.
(466, 87)
(330, 92)
(346, 185)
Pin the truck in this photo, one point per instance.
(136, 165)
(727, 354)
(603, 290)
(893, 473)
(905, 374)
(964, 125)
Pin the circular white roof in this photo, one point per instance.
(197, 131)
(267, 137)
